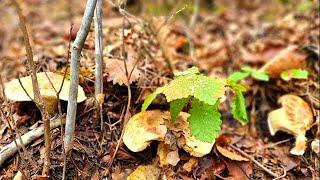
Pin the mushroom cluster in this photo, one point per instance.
(49, 85)
(156, 125)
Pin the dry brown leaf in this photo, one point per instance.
(166, 155)
(148, 172)
(239, 170)
(288, 58)
(192, 163)
(294, 117)
(230, 154)
(117, 73)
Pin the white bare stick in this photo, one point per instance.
(98, 48)
(74, 81)
(9, 150)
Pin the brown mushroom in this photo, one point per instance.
(294, 117)
(147, 126)
(15, 92)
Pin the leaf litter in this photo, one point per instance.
(234, 35)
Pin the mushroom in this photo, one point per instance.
(287, 59)
(15, 92)
(143, 128)
(294, 117)
(148, 126)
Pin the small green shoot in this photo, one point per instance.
(294, 74)
(247, 71)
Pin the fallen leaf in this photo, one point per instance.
(117, 72)
(167, 156)
(230, 154)
(191, 164)
(239, 170)
(148, 172)
(288, 58)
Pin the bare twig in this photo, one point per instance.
(98, 48)
(99, 59)
(74, 81)
(36, 91)
(128, 74)
(10, 149)
(255, 161)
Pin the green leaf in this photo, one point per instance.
(294, 74)
(180, 87)
(191, 71)
(248, 69)
(150, 98)
(204, 121)
(260, 75)
(176, 106)
(206, 89)
(238, 107)
(236, 86)
(238, 75)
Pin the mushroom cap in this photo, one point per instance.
(287, 59)
(143, 128)
(294, 117)
(298, 111)
(15, 92)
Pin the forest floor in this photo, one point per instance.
(161, 39)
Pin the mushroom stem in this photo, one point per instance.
(300, 145)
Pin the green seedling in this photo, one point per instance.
(204, 93)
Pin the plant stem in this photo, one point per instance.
(37, 96)
(74, 81)
(98, 48)
(99, 60)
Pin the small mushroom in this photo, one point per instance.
(143, 128)
(288, 58)
(294, 117)
(15, 92)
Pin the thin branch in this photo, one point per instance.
(10, 149)
(255, 161)
(74, 81)
(36, 91)
(99, 60)
(98, 48)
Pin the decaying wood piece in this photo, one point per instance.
(74, 79)
(9, 150)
